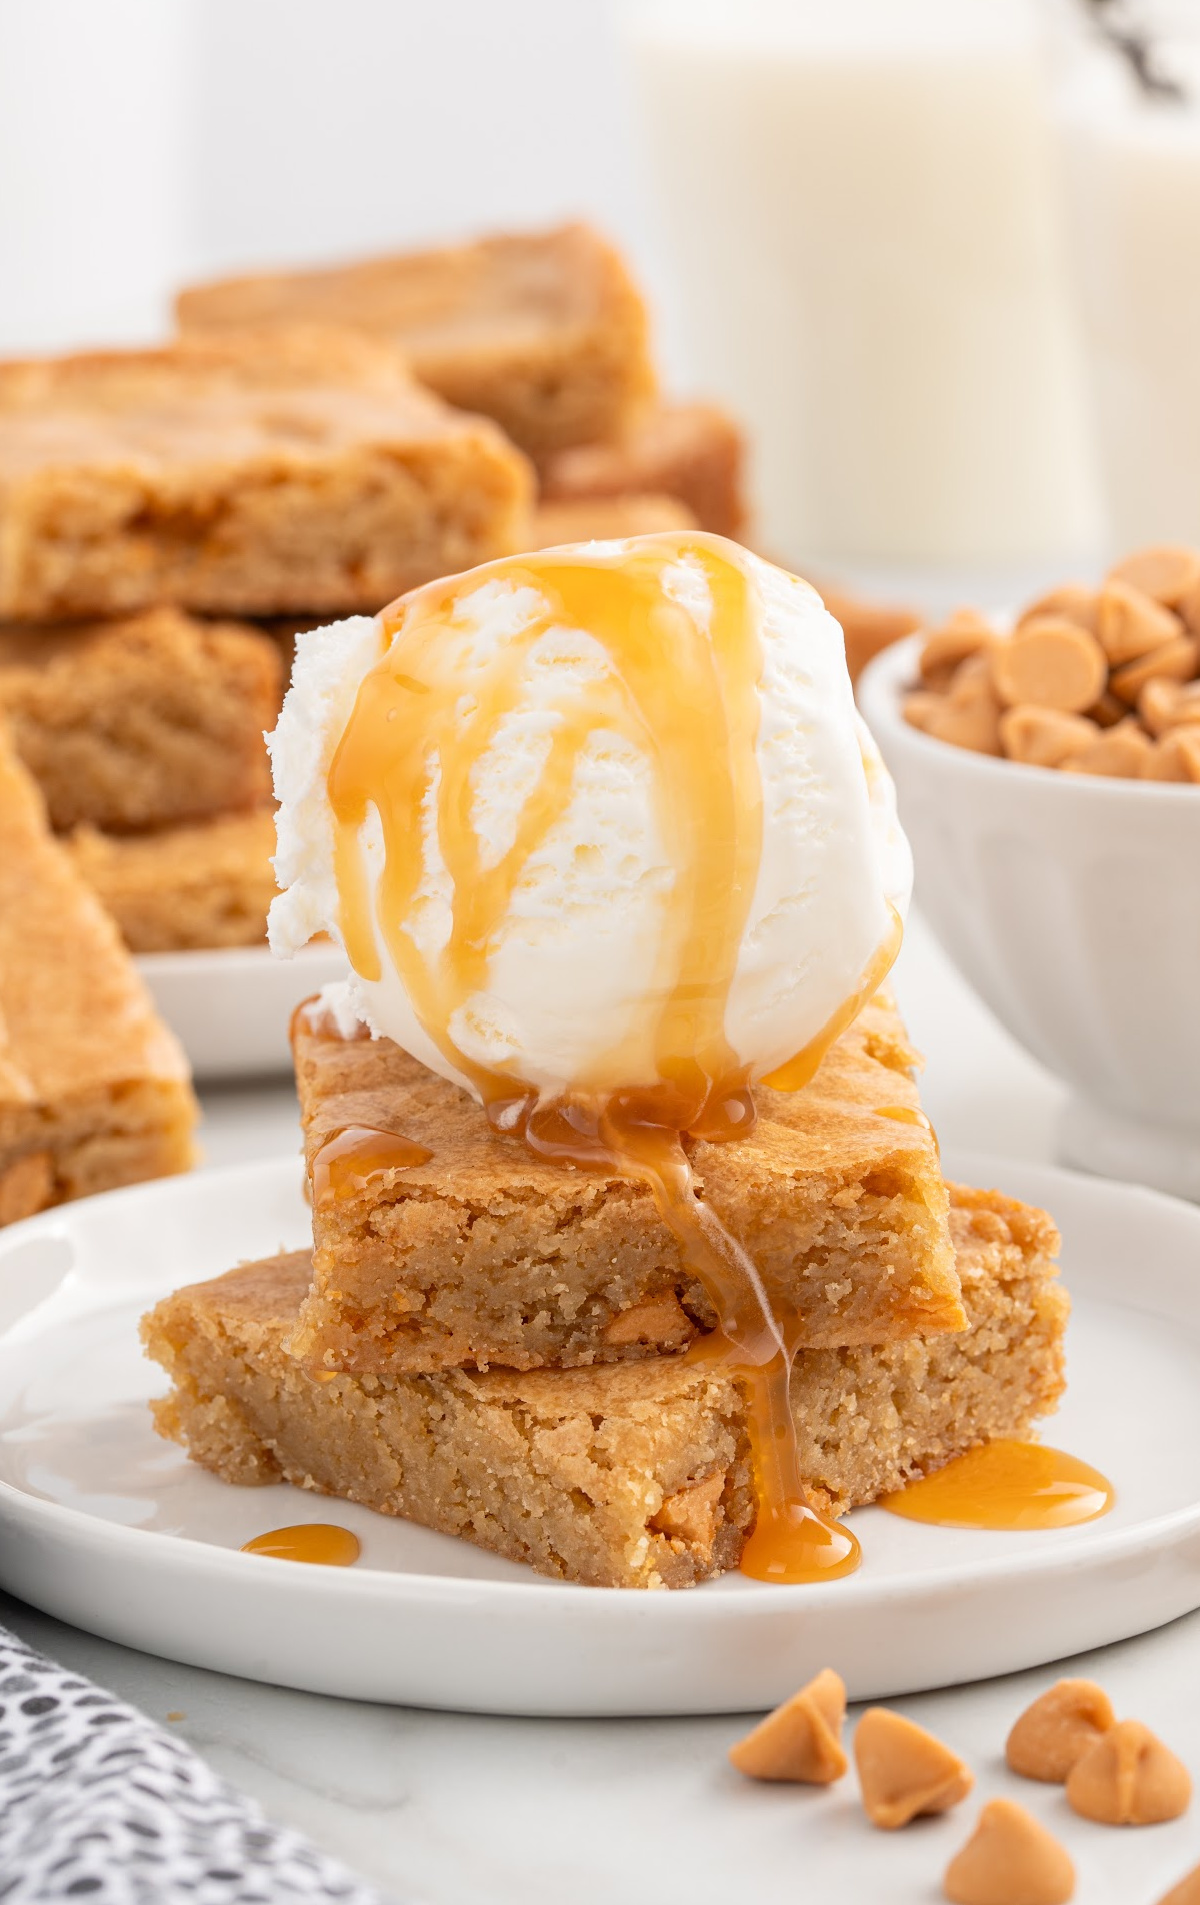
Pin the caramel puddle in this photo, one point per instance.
(322, 1542)
(1006, 1484)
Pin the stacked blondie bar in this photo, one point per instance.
(511, 1352)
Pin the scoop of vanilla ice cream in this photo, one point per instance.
(582, 942)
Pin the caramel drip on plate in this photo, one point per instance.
(352, 1156)
(1007, 1484)
(319, 1541)
(682, 688)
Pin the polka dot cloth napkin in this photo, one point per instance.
(97, 1803)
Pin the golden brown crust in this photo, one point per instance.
(143, 722)
(486, 1255)
(93, 1087)
(543, 331)
(265, 473)
(580, 1472)
(181, 888)
(693, 452)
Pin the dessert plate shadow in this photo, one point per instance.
(230, 1006)
(107, 1527)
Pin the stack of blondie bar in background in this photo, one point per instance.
(496, 1347)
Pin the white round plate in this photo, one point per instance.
(230, 1007)
(107, 1527)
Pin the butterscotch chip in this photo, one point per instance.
(1122, 753)
(1189, 611)
(1176, 757)
(964, 634)
(921, 707)
(1132, 623)
(1060, 1725)
(1175, 661)
(801, 1740)
(692, 1514)
(1187, 1892)
(1073, 602)
(1129, 1778)
(1043, 737)
(1049, 664)
(1165, 704)
(1108, 711)
(1010, 1859)
(660, 1321)
(976, 726)
(904, 1771)
(1167, 572)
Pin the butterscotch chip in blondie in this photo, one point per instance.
(94, 1089)
(579, 1472)
(179, 888)
(544, 331)
(485, 1254)
(144, 722)
(599, 518)
(262, 474)
(693, 452)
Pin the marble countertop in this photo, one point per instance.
(455, 1809)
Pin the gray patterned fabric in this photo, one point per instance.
(97, 1803)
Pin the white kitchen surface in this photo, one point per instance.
(457, 1810)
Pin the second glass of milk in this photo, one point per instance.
(857, 200)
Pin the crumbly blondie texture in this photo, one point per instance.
(295, 471)
(544, 331)
(94, 1089)
(181, 888)
(144, 722)
(693, 452)
(487, 1255)
(636, 1475)
(599, 518)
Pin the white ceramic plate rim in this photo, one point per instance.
(396, 1586)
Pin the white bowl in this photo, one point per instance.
(1072, 904)
(231, 1007)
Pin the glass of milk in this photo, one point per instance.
(1132, 166)
(858, 200)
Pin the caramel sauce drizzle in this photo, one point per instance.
(353, 1155)
(1006, 1484)
(322, 1542)
(686, 694)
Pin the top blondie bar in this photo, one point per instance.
(483, 1254)
(288, 471)
(544, 331)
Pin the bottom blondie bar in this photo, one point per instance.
(630, 1475)
(208, 884)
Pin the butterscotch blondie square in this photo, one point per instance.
(94, 1089)
(544, 331)
(601, 518)
(634, 1475)
(485, 1254)
(296, 471)
(694, 452)
(179, 888)
(142, 722)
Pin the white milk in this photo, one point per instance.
(1133, 172)
(858, 195)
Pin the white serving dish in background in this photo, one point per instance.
(230, 1007)
(1072, 904)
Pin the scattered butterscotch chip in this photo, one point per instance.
(1132, 623)
(1121, 753)
(1073, 602)
(1187, 1892)
(1166, 572)
(801, 1740)
(964, 634)
(1176, 757)
(905, 1771)
(1061, 1724)
(1010, 1859)
(1168, 704)
(1050, 663)
(1129, 1778)
(1043, 737)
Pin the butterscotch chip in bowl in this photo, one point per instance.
(1121, 753)
(1175, 661)
(1167, 572)
(1010, 1859)
(1062, 1723)
(1131, 623)
(1042, 737)
(964, 634)
(1168, 704)
(1073, 602)
(904, 1771)
(801, 1740)
(1129, 1778)
(1176, 757)
(1050, 663)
